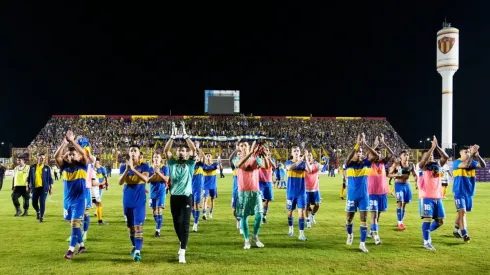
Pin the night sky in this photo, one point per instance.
(359, 59)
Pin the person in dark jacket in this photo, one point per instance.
(2, 175)
(40, 183)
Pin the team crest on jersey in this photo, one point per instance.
(445, 44)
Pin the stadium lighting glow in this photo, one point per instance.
(428, 139)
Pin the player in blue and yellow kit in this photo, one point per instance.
(101, 180)
(209, 170)
(282, 175)
(296, 189)
(197, 185)
(158, 187)
(464, 187)
(324, 162)
(73, 168)
(357, 171)
(101, 174)
(134, 176)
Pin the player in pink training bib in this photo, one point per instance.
(312, 190)
(378, 186)
(430, 192)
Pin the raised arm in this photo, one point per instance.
(266, 163)
(199, 151)
(170, 142)
(188, 141)
(272, 163)
(142, 175)
(415, 176)
(58, 155)
(426, 157)
(477, 157)
(390, 153)
(244, 159)
(356, 148)
(70, 137)
(307, 163)
(233, 154)
(371, 150)
(443, 154)
(157, 172)
(122, 178)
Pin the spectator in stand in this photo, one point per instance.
(110, 133)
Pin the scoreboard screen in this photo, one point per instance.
(221, 102)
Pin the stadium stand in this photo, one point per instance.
(110, 135)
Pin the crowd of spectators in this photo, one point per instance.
(116, 133)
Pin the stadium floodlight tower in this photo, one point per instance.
(447, 65)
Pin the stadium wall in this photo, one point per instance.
(184, 117)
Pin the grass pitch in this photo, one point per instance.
(28, 247)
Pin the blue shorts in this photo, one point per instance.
(88, 199)
(403, 192)
(463, 202)
(74, 210)
(135, 215)
(158, 200)
(266, 191)
(313, 197)
(210, 193)
(234, 198)
(431, 208)
(362, 203)
(293, 202)
(378, 203)
(197, 195)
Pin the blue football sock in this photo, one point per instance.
(155, 218)
(196, 217)
(403, 214)
(363, 233)
(426, 230)
(211, 211)
(434, 225)
(464, 231)
(290, 220)
(138, 240)
(349, 228)
(159, 221)
(131, 237)
(399, 214)
(86, 222)
(301, 223)
(76, 234)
